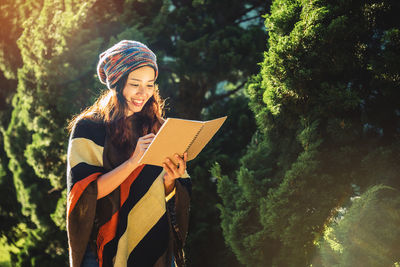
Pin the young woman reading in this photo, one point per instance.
(120, 213)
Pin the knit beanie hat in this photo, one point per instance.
(123, 58)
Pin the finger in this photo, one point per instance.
(183, 170)
(182, 164)
(144, 146)
(179, 159)
(173, 167)
(145, 141)
(166, 176)
(168, 170)
(185, 158)
(170, 163)
(147, 136)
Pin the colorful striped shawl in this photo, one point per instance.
(135, 225)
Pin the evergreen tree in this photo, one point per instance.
(12, 15)
(35, 140)
(10, 209)
(59, 49)
(210, 49)
(208, 42)
(205, 235)
(327, 107)
(368, 233)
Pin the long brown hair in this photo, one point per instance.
(110, 108)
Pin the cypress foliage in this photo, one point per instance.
(35, 140)
(327, 107)
(205, 236)
(13, 14)
(211, 47)
(59, 44)
(368, 234)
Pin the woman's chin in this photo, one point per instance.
(134, 110)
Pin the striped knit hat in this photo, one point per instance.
(123, 58)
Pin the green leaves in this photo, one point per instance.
(323, 126)
(368, 233)
(201, 51)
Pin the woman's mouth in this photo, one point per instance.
(137, 103)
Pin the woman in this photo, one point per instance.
(120, 213)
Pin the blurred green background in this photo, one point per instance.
(305, 171)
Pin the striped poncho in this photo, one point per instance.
(136, 224)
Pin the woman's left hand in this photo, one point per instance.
(173, 171)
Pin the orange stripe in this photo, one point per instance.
(106, 234)
(78, 189)
(126, 185)
(108, 230)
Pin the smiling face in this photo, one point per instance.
(138, 89)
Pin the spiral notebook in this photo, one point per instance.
(177, 136)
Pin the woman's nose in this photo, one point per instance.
(140, 89)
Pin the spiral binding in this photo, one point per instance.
(194, 139)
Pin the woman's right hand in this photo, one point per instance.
(141, 146)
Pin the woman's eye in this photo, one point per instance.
(150, 85)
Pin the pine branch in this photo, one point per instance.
(247, 19)
(212, 100)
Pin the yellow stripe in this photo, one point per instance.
(84, 150)
(143, 216)
(170, 195)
